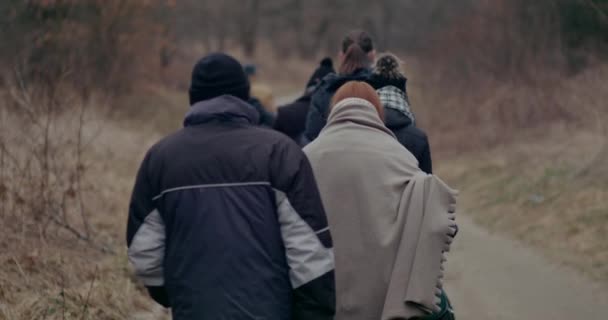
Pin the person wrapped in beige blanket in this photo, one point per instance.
(391, 222)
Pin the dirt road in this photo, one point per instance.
(491, 277)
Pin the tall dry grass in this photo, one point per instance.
(479, 112)
(64, 192)
(530, 160)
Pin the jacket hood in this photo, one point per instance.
(334, 81)
(223, 108)
(358, 111)
(395, 119)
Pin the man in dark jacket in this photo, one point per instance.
(291, 118)
(225, 220)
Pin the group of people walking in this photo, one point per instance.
(230, 219)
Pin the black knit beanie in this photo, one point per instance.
(218, 74)
(388, 72)
(326, 67)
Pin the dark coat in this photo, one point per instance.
(412, 138)
(226, 221)
(321, 99)
(291, 118)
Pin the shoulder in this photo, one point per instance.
(414, 139)
(271, 138)
(415, 132)
(327, 82)
(284, 150)
(290, 107)
(163, 149)
(328, 79)
(167, 142)
(379, 82)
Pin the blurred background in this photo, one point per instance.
(512, 93)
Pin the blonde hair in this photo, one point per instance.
(361, 90)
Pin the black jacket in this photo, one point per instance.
(321, 99)
(291, 118)
(412, 138)
(226, 221)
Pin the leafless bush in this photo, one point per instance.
(499, 68)
(45, 135)
(64, 61)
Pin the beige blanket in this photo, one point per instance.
(391, 223)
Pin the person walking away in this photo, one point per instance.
(390, 84)
(291, 118)
(391, 222)
(225, 220)
(356, 56)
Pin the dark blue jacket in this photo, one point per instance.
(321, 99)
(226, 222)
(411, 137)
(291, 119)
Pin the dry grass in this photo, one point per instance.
(285, 75)
(546, 185)
(541, 191)
(475, 113)
(46, 271)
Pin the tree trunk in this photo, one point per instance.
(250, 28)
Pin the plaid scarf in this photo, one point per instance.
(393, 98)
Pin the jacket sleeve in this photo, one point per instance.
(316, 118)
(426, 164)
(146, 236)
(305, 233)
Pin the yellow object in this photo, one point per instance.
(263, 93)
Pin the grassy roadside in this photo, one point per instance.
(548, 192)
(48, 273)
